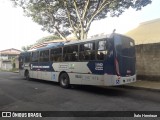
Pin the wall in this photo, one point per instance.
(6, 65)
(148, 61)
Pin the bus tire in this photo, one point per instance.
(27, 76)
(64, 80)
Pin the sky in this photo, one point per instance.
(16, 30)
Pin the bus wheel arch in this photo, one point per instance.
(64, 79)
(26, 74)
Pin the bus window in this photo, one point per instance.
(70, 53)
(44, 56)
(124, 46)
(56, 54)
(102, 49)
(21, 60)
(89, 46)
(35, 56)
(87, 51)
(27, 57)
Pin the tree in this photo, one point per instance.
(63, 17)
(42, 40)
(48, 38)
(25, 48)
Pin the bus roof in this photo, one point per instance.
(89, 39)
(60, 44)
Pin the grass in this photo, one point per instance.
(11, 70)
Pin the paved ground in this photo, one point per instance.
(17, 94)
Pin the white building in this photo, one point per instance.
(8, 57)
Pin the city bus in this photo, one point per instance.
(107, 60)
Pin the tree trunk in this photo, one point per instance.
(61, 35)
(82, 33)
(85, 35)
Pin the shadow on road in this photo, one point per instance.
(109, 91)
(117, 91)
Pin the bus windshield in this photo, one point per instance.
(124, 46)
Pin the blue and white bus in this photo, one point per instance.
(107, 60)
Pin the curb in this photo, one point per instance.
(140, 88)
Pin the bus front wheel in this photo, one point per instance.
(64, 80)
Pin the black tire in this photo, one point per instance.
(64, 80)
(27, 76)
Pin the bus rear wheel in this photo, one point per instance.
(64, 80)
(27, 77)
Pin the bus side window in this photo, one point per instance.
(70, 53)
(35, 56)
(44, 56)
(21, 61)
(81, 52)
(87, 51)
(101, 50)
(27, 57)
(56, 54)
(51, 57)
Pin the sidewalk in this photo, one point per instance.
(144, 84)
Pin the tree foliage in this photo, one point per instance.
(48, 38)
(63, 17)
(25, 48)
(42, 40)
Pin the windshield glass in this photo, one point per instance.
(124, 46)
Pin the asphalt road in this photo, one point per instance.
(17, 94)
